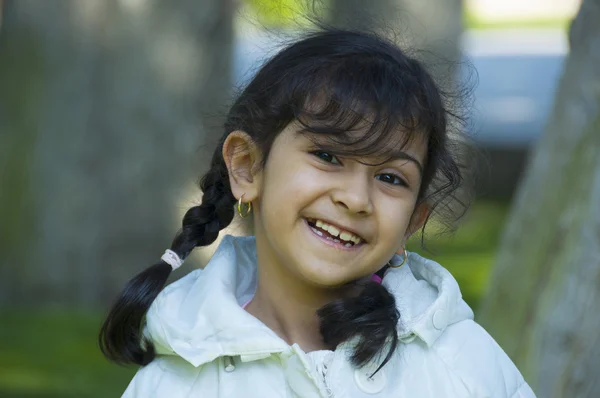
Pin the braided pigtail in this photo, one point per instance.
(371, 317)
(121, 333)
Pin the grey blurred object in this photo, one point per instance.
(518, 73)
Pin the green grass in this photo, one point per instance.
(55, 354)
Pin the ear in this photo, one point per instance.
(417, 219)
(242, 157)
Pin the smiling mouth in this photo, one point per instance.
(329, 239)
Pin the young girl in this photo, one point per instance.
(340, 149)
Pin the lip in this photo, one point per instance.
(338, 246)
(338, 226)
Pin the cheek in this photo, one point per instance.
(393, 216)
(283, 188)
(293, 182)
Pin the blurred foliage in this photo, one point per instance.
(472, 21)
(54, 354)
(278, 13)
(284, 13)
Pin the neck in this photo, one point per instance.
(289, 308)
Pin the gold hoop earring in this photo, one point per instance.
(402, 263)
(248, 209)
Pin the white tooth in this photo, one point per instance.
(318, 232)
(336, 240)
(356, 240)
(345, 236)
(348, 244)
(319, 223)
(333, 230)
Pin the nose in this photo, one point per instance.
(354, 194)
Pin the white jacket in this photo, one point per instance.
(208, 346)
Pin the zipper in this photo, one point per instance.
(322, 370)
(229, 364)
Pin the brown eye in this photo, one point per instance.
(326, 157)
(392, 179)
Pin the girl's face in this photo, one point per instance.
(301, 184)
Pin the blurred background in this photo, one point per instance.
(109, 111)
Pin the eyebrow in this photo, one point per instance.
(401, 155)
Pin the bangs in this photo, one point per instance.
(371, 114)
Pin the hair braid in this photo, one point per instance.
(121, 334)
(371, 317)
(201, 224)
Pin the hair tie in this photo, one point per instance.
(171, 258)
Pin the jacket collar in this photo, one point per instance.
(427, 297)
(199, 317)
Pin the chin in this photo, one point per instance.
(332, 279)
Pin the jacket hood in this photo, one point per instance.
(199, 317)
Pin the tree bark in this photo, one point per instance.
(542, 305)
(103, 107)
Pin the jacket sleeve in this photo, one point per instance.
(524, 392)
(481, 364)
(164, 377)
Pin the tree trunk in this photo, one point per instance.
(544, 295)
(103, 107)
